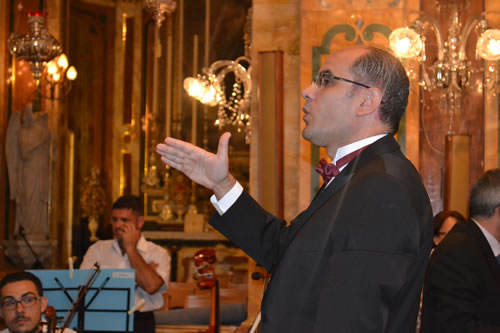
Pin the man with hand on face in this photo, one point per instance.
(354, 260)
(22, 303)
(129, 249)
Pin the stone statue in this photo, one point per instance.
(28, 149)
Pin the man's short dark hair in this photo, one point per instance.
(130, 202)
(379, 68)
(22, 276)
(485, 195)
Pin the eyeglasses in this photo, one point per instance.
(27, 301)
(326, 79)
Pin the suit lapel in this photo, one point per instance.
(384, 145)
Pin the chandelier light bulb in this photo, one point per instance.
(494, 47)
(71, 73)
(405, 42)
(194, 87)
(488, 45)
(51, 68)
(210, 97)
(56, 77)
(62, 61)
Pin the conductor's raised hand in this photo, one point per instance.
(207, 169)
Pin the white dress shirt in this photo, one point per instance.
(108, 255)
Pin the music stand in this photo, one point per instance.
(106, 304)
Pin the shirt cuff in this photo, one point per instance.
(227, 200)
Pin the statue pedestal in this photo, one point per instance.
(18, 252)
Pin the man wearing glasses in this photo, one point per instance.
(22, 303)
(354, 260)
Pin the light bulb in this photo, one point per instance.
(405, 42)
(194, 87)
(488, 45)
(71, 73)
(56, 77)
(62, 61)
(51, 67)
(210, 96)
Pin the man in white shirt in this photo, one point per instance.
(129, 249)
(22, 303)
(462, 282)
(354, 260)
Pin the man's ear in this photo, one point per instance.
(370, 102)
(140, 222)
(44, 302)
(497, 212)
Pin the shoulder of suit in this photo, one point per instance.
(459, 242)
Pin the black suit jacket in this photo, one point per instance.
(354, 260)
(462, 284)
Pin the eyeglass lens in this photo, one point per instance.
(10, 303)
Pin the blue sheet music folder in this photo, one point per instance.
(106, 304)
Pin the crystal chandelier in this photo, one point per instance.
(210, 89)
(37, 47)
(452, 71)
(159, 8)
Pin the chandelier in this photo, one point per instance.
(159, 8)
(451, 72)
(59, 77)
(211, 89)
(37, 47)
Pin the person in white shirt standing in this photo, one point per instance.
(129, 249)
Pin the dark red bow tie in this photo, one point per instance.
(330, 170)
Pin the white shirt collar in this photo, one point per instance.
(494, 244)
(342, 151)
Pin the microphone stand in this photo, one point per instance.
(37, 264)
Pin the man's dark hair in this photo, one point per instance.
(485, 195)
(442, 216)
(22, 276)
(379, 68)
(130, 202)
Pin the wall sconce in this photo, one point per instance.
(210, 89)
(58, 75)
(452, 71)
